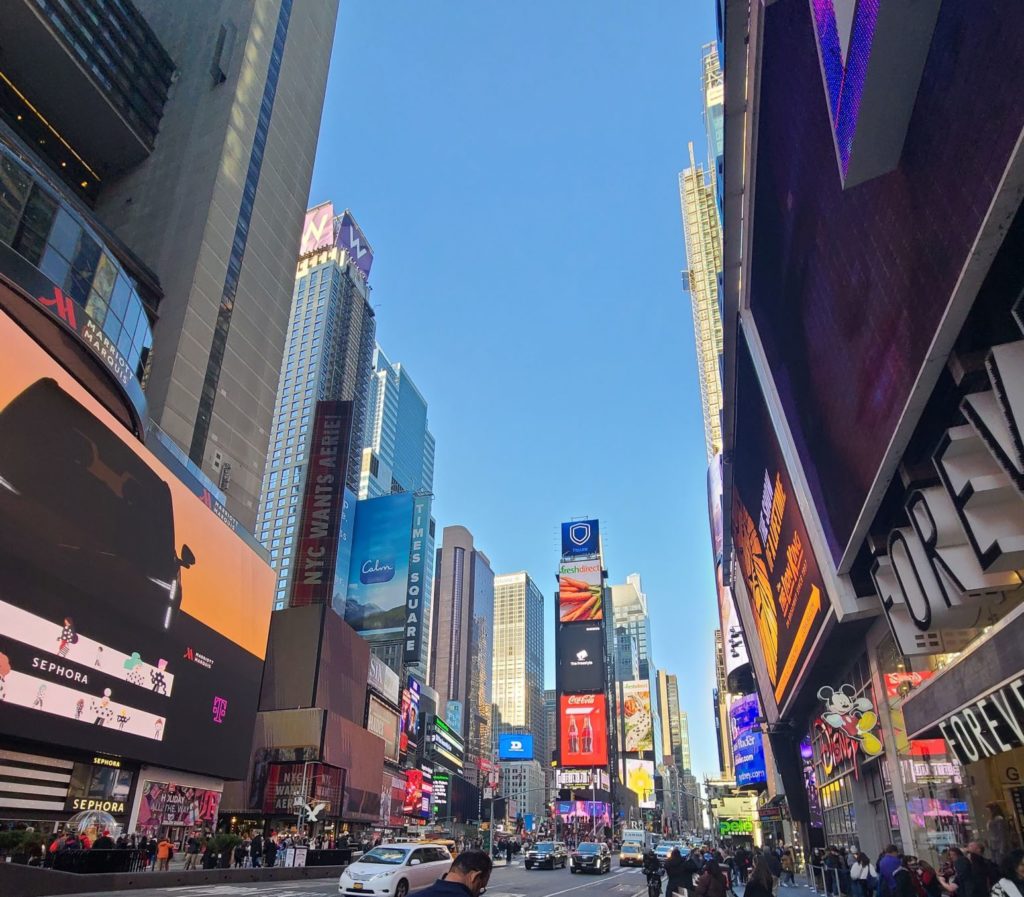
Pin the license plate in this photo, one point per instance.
(357, 886)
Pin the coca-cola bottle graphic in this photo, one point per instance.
(574, 736)
(588, 736)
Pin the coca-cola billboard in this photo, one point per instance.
(584, 730)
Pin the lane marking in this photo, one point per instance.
(579, 887)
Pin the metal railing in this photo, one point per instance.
(95, 861)
(823, 880)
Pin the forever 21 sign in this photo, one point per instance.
(988, 725)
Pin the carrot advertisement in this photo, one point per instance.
(580, 591)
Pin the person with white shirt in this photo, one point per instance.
(863, 877)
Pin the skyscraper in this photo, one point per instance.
(684, 759)
(714, 115)
(675, 735)
(329, 350)
(398, 447)
(703, 233)
(551, 720)
(461, 638)
(517, 675)
(191, 135)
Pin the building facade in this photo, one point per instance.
(517, 667)
(328, 355)
(522, 784)
(872, 449)
(461, 647)
(398, 447)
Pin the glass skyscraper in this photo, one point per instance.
(398, 447)
(518, 668)
(328, 355)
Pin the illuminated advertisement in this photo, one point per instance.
(351, 237)
(379, 574)
(580, 592)
(728, 619)
(636, 712)
(132, 620)
(446, 745)
(410, 715)
(817, 308)
(584, 730)
(383, 680)
(318, 228)
(439, 798)
(515, 747)
(729, 827)
(412, 803)
(323, 503)
(581, 658)
(584, 811)
(640, 780)
(165, 804)
(382, 721)
(343, 558)
(453, 715)
(417, 577)
(784, 584)
(101, 785)
(581, 539)
(747, 741)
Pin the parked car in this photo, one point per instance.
(395, 869)
(547, 853)
(631, 854)
(591, 857)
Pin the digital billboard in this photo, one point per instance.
(584, 811)
(581, 539)
(640, 780)
(817, 308)
(584, 730)
(580, 591)
(783, 581)
(323, 503)
(379, 574)
(410, 715)
(382, 721)
(515, 747)
(747, 741)
(318, 228)
(412, 802)
(351, 237)
(383, 680)
(132, 620)
(637, 716)
(728, 620)
(343, 558)
(581, 657)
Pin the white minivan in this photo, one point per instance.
(395, 869)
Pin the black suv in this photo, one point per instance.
(547, 853)
(591, 857)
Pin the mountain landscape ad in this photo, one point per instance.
(379, 570)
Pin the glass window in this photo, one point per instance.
(55, 266)
(120, 297)
(15, 184)
(106, 275)
(65, 234)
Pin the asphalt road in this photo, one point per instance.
(506, 881)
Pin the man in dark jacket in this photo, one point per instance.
(256, 850)
(103, 842)
(467, 877)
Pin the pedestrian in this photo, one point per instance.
(775, 867)
(164, 852)
(104, 842)
(712, 881)
(679, 882)
(887, 865)
(788, 867)
(761, 880)
(928, 878)
(467, 877)
(903, 878)
(240, 853)
(270, 852)
(256, 850)
(1011, 880)
(508, 852)
(999, 834)
(985, 872)
(863, 876)
(192, 846)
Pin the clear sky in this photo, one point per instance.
(514, 166)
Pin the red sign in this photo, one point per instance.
(584, 728)
(322, 505)
(898, 684)
(838, 749)
(412, 802)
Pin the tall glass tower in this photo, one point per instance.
(518, 668)
(398, 447)
(328, 355)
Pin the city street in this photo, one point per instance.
(506, 881)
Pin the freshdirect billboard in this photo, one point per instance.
(580, 591)
(636, 711)
(133, 622)
(784, 584)
(584, 730)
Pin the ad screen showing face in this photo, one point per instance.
(133, 622)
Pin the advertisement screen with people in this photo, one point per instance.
(584, 728)
(133, 621)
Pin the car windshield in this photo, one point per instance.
(631, 848)
(589, 848)
(387, 856)
(545, 845)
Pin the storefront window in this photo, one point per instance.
(936, 787)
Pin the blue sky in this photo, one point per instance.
(515, 168)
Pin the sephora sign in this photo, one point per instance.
(961, 545)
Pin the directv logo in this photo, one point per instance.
(515, 746)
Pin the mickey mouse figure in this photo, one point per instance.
(854, 716)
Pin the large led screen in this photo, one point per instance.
(747, 741)
(132, 620)
(515, 747)
(847, 287)
(637, 717)
(580, 594)
(784, 584)
(581, 538)
(584, 730)
(382, 721)
(581, 657)
(640, 780)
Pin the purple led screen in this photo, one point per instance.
(350, 237)
(848, 287)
